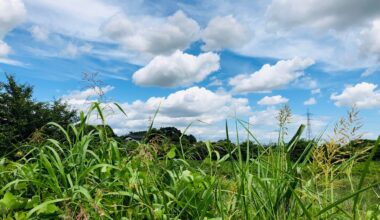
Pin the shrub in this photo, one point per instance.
(22, 118)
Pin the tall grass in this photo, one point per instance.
(90, 175)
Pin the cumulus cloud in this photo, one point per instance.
(266, 123)
(310, 101)
(152, 35)
(208, 111)
(271, 77)
(265, 117)
(177, 109)
(12, 13)
(177, 69)
(334, 14)
(224, 32)
(272, 100)
(363, 95)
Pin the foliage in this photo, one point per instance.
(163, 139)
(79, 178)
(22, 118)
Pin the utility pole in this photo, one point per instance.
(308, 114)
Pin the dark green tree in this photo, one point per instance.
(21, 117)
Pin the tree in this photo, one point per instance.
(21, 116)
(162, 139)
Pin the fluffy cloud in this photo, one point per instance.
(78, 19)
(152, 35)
(177, 109)
(207, 110)
(310, 101)
(196, 101)
(4, 49)
(334, 14)
(177, 69)
(363, 95)
(266, 123)
(370, 40)
(324, 32)
(271, 77)
(82, 98)
(12, 13)
(224, 32)
(265, 117)
(272, 100)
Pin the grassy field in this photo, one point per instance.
(89, 175)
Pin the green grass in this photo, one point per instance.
(90, 175)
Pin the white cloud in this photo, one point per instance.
(271, 77)
(177, 109)
(78, 19)
(315, 91)
(306, 82)
(369, 71)
(224, 32)
(177, 69)
(12, 13)
(265, 117)
(39, 33)
(272, 100)
(370, 40)
(206, 108)
(71, 50)
(197, 101)
(12, 62)
(363, 95)
(152, 35)
(266, 123)
(290, 28)
(333, 14)
(80, 98)
(4, 49)
(310, 101)
(215, 82)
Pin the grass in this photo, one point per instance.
(92, 176)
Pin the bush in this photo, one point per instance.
(22, 119)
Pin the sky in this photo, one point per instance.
(200, 62)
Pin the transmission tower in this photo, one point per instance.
(308, 114)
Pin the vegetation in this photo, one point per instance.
(87, 172)
(23, 119)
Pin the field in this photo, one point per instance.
(90, 175)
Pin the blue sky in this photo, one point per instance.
(200, 61)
